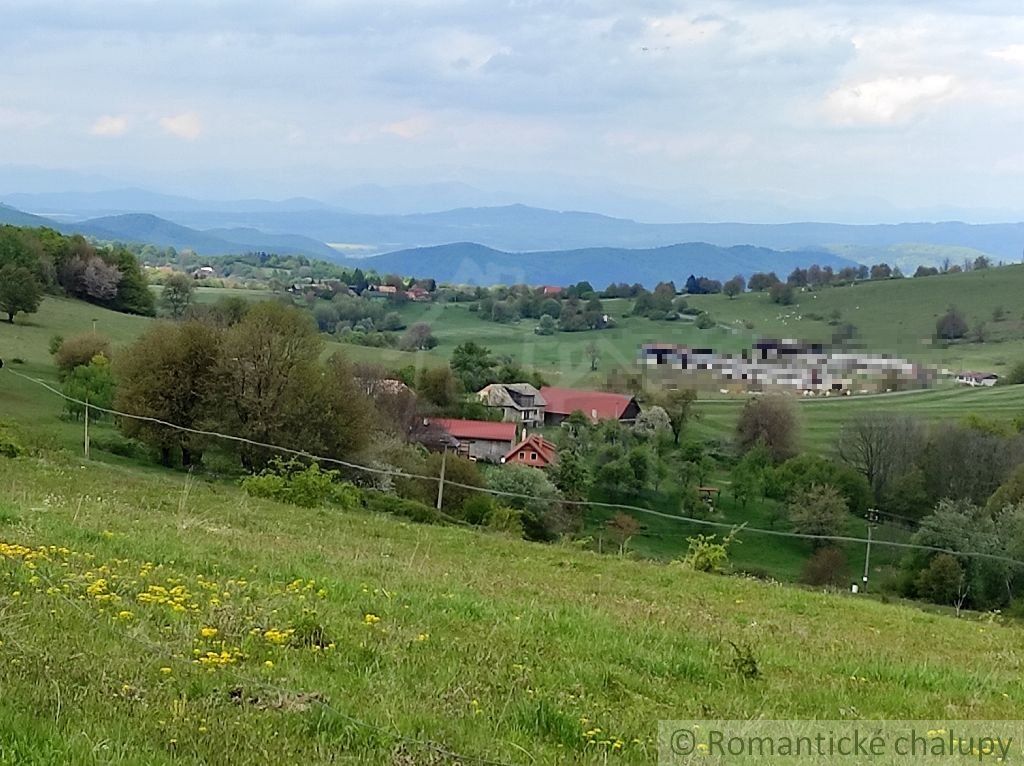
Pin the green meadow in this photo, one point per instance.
(152, 618)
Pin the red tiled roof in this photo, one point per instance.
(600, 404)
(537, 444)
(478, 429)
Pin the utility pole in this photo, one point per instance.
(872, 517)
(440, 482)
(87, 428)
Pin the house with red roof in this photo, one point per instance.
(596, 405)
(534, 451)
(478, 439)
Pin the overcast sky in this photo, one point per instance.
(808, 104)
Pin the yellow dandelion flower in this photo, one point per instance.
(166, 671)
(124, 614)
(208, 632)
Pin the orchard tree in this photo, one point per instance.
(678, 405)
(20, 291)
(818, 510)
(734, 286)
(419, 337)
(769, 420)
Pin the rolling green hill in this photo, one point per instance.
(470, 263)
(895, 316)
(194, 621)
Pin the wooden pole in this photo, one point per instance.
(440, 483)
(86, 429)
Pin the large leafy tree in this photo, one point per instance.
(267, 370)
(177, 294)
(473, 364)
(20, 291)
(169, 374)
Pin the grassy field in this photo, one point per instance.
(562, 357)
(147, 618)
(896, 316)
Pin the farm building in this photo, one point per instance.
(519, 402)
(478, 439)
(535, 451)
(596, 405)
(977, 378)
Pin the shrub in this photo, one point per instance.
(410, 509)
(304, 485)
(951, 325)
(80, 351)
(706, 554)
(827, 567)
(477, 508)
(9, 447)
(705, 322)
(505, 519)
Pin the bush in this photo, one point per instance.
(397, 506)
(705, 554)
(80, 351)
(477, 509)
(506, 520)
(827, 567)
(306, 486)
(9, 447)
(705, 322)
(116, 445)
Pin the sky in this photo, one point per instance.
(852, 110)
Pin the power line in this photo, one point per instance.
(518, 495)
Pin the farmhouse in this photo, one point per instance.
(535, 451)
(519, 402)
(204, 272)
(596, 405)
(478, 439)
(977, 378)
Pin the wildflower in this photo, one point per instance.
(268, 664)
(124, 614)
(166, 671)
(208, 632)
(423, 637)
(370, 619)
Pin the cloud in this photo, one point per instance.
(1014, 54)
(186, 125)
(109, 125)
(410, 128)
(888, 100)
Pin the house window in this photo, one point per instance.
(522, 455)
(533, 456)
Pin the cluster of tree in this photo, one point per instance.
(510, 304)
(661, 304)
(35, 261)
(260, 379)
(910, 466)
(702, 285)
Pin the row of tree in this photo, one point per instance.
(37, 261)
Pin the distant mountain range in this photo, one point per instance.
(313, 228)
(474, 264)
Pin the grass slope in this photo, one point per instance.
(896, 316)
(486, 646)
